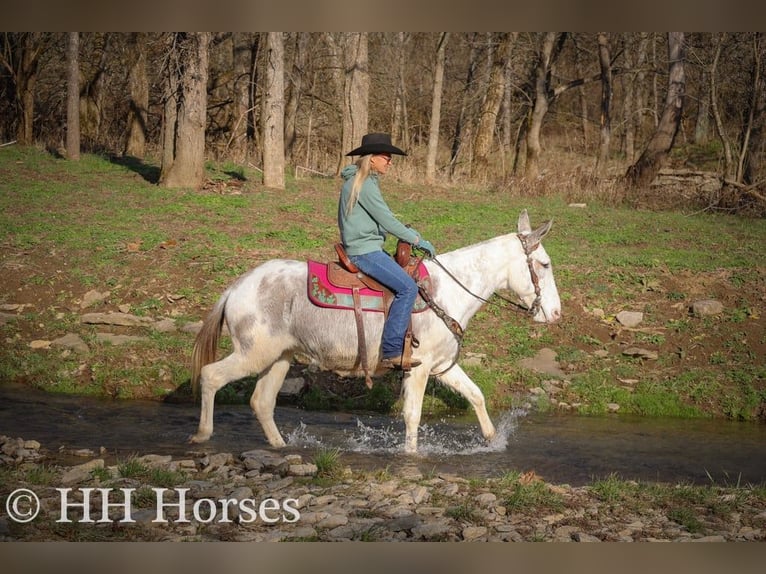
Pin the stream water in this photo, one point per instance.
(562, 449)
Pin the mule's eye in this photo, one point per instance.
(546, 265)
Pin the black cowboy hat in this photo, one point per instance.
(374, 144)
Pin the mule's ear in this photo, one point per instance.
(543, 230)
(534, 238)
(524, 225)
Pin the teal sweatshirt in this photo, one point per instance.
(364, 229)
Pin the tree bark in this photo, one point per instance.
(356, 92)
(73, 96)
(645, 169)
(751, 138)
(138, 88)
(457, 138)
(488, 116)
(274, 113)
(188, 129)
(436, 108)
(605, 119)
(295, 92)
(542, 101)
(92, 93)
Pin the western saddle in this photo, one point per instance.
(345, 274)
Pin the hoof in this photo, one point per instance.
(198, 438)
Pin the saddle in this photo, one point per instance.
(345, 274)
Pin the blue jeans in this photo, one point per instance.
(382, 267)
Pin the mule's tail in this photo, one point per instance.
(206, 343)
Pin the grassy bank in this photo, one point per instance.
(69, 228)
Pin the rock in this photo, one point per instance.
(166, 325)
(432, 530)
(39, 344)
(119, 319)
(543, 362)
(292, 387)
(192, 328)
(306, 469)
(641, 353)
(92, 297)
(71, 341)
(81, 472)
(578, 205)
(113, 339)
(630, 318)
(471, 533)
(612, 407)
(707, 307)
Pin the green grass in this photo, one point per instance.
(68, 227)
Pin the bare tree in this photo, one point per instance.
(356, 91)
(457, 137)
(138, 90)
(550, 47)
(186, 111)
(491, 106)
(605, 119)
(92, 94)
(751, 136)
(436, 108)
(274, 113)
(73, 96)
(295, 89)
(21, 54)
(645, 169)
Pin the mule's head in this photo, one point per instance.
(532, 273)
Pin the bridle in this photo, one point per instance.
(454, 326)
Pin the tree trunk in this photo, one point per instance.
(92, 94)
(356, 92)
(21, 56)
(645, 169)
(73, 96)
(274, 113)
(583, 101)
(542, 101)
(188, 164)
(436, 108)
(400, 125)
(752, 131)
(605, 119)
(138, 87)
(702, 122)
(294, 93)
(628, 103)
(485, 131)
(457, 138)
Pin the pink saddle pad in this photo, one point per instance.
(324, 294)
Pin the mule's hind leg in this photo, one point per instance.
(457, 380)
(213, 377)
(264, 399)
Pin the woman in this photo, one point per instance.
(364, 220)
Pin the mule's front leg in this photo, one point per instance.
(414, 386)
(457, 380)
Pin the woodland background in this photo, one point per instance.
(675, 117)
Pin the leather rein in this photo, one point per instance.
(454, 326)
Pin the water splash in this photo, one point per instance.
(443, 437)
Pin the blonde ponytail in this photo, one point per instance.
(363, 170)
